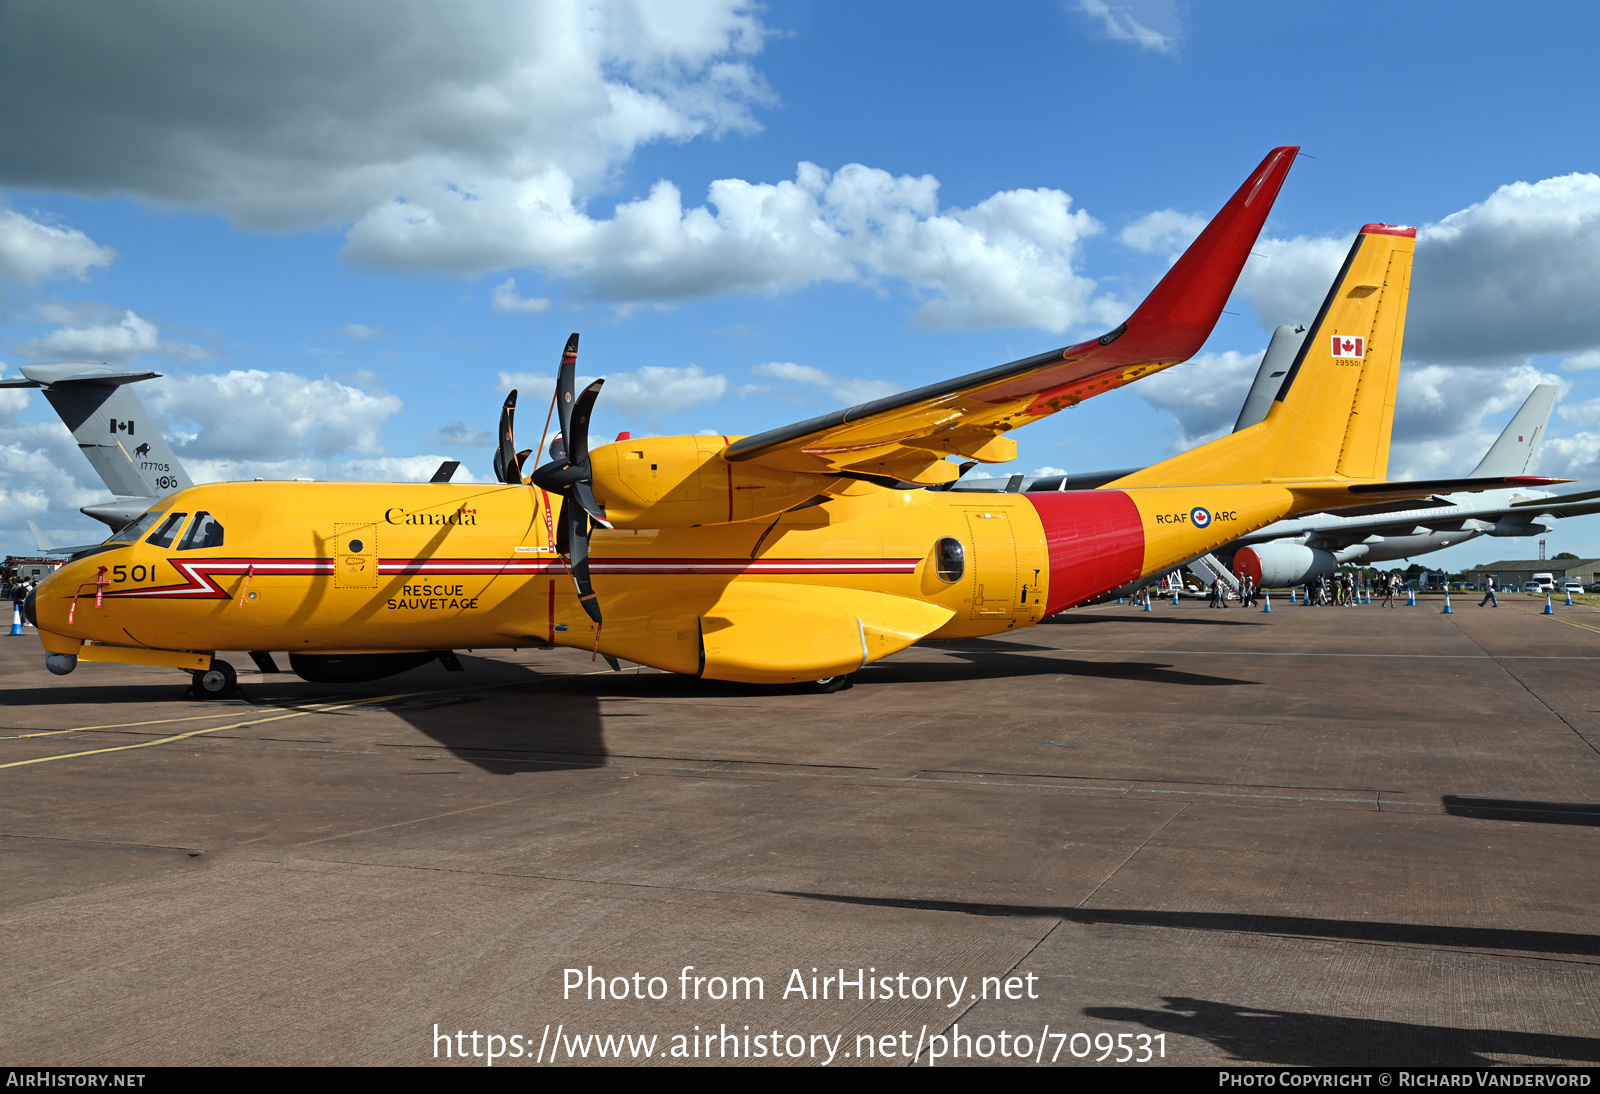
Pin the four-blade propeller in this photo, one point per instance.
(568, 473)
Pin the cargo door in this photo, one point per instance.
(992, 564)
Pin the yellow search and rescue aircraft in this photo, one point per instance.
(794, 556)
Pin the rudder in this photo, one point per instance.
(1335, 410)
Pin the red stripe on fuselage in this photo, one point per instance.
(1096, 541)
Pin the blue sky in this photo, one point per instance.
(342, 196)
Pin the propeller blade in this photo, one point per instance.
(583, 494)
(578, 436)
(566, 381)
(576, 523)
(505, 456)
(563, 539)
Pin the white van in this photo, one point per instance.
(1546, 582)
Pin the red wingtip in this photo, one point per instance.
(1178, 316)
(1388, 230)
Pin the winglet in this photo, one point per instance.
(1178, 316)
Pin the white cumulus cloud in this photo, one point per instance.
(505, 299)
(1204, 394)
(118, 341)
(475, 138)
(1007, 261)
(305, 114)
(31, 252)
(252, 415)
(649, 394)
(1510, 276)
(847, 391)
(1443, 415)
(1131, 21)
(1165, 230)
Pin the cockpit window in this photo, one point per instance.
(133, 531)
(168, 531)
(204, 532)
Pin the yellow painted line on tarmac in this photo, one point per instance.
(328, 709)
(1557, 618)
(119, 725)
(197, 733)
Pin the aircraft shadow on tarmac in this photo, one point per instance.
(1515, 809)
(506, 718)
(1298, 1039)
(1355, 930)
(988, 659)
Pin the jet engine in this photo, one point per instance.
(1274, 565)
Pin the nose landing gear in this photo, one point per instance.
(217, 682)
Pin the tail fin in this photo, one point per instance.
(114, 432)
(1515, 450)
(1334, 411)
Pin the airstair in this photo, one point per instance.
(1207, 568)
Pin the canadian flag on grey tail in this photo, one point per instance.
(1347, 346)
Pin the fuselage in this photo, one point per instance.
(360, 567)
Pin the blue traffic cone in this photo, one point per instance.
(1569, 596)
(1147, 606)
(1266, 596)
(1119, 600)
(16, 619)
(1411, 598)
(1447, 610)
(1174, 596)
(1549, 608)
(1291, 594)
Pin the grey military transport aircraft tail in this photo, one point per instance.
(115, 433)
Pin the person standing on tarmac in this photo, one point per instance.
(1488, 594)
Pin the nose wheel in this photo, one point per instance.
(217, 682)
(826, 686)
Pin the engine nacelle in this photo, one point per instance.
(678, 482)
(1515, 529)
(1274, 565)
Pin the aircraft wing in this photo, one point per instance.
(907, 436)
(1566, 505)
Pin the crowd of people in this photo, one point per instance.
(1342, 589)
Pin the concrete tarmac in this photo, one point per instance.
(1316, 836)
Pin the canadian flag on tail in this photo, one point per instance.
(1346, 346)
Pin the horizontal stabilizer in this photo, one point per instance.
(1400, 505)
(70, 372)
(1420, 489)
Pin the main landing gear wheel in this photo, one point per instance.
(217, 682)
(827, 685)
